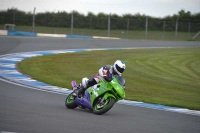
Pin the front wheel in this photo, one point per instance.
(70, 101)
(102, 107)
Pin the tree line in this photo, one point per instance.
(186, 20)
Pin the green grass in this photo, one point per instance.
(162, 76)
(135, 35)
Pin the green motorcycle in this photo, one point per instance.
(99, 98)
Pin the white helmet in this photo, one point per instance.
(119, 67)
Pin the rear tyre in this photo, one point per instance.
(70, 101)
(101, 108)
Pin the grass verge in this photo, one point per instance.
(162, 76)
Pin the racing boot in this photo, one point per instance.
(80, 91)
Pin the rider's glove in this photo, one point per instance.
(106, 74)
(109, 77)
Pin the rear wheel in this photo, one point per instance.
(70, 101)
(102, 107)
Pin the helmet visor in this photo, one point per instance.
(119, 69)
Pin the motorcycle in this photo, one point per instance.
(99, 98)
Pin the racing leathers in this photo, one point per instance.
(106, 72)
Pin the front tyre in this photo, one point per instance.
(70, 101)
(101, 108)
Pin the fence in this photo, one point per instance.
(129, 28)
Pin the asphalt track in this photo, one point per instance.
(25, 110)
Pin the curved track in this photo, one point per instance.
(25, 110)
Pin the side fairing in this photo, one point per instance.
(97, 90)
(84, 101)
(118, 88)
(113, 88)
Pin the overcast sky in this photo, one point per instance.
(155, 8)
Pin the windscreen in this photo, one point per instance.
(121, 80)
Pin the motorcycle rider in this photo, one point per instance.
(106, 72)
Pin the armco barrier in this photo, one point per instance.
(22, 33)
(100, 37)
(4, 32)
(50, 35)
(78, 36)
